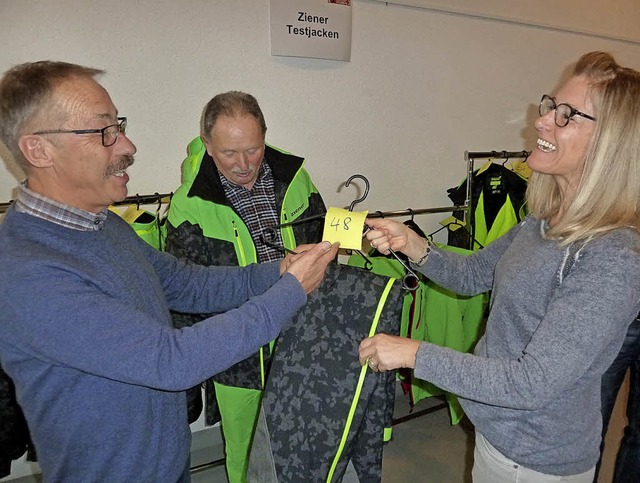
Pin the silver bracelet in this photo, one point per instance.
(423, 259)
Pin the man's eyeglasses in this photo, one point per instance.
(563, 112)
(109, 133)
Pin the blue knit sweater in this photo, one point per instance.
(86, 335)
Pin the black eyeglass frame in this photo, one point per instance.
(572, 111)
(121, 125)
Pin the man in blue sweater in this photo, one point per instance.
(85, 329)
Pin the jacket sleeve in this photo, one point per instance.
(584, 323)
(311, 232)
(316, 207)
(467, 274)
(136, 348)
(187, 243)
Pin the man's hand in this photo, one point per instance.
(309, 263)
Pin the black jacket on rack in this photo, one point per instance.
(497, 195)
(15, 440)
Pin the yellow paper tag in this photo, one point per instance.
(344, 226)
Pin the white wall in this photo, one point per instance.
(617, 19)
(423, 85)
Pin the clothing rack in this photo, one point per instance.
(470, 157)
(129, 200)
(145, 199)
(411, 212)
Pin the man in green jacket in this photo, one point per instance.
(235, 188)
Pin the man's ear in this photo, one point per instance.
(207, 145)
(36, 150)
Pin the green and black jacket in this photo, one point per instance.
(204, 228)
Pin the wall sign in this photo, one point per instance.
(319, 29)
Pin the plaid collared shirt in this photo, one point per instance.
(35, 204)
(257, 208)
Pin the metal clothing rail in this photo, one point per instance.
(467, 207)
(411, 211)
(129, 200)
(495, 154)
(145, 199)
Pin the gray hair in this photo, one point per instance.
(231, 104)
(25, 90)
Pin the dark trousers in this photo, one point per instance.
(628, 460)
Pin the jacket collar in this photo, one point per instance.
(207, 184)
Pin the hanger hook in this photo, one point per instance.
(366, 190)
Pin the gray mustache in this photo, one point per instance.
(123, 162)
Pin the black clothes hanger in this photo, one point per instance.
(411, 280)
(412, 213)
(269, 235)
(455, 223)
(366, 189)
(367, 263)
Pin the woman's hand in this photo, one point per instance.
(385, 234)
(384, 352)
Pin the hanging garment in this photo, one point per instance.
(15, 440)
(521, 168)
(447, 319)
(321, 411)
(149, 226)
(498, 202)
(433, 314)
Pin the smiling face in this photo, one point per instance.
(561, 151)
(77, 169)
(236, 145)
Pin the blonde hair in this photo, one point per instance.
(608, 196)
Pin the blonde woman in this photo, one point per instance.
(564, 288)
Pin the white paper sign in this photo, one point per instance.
(320, 29)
